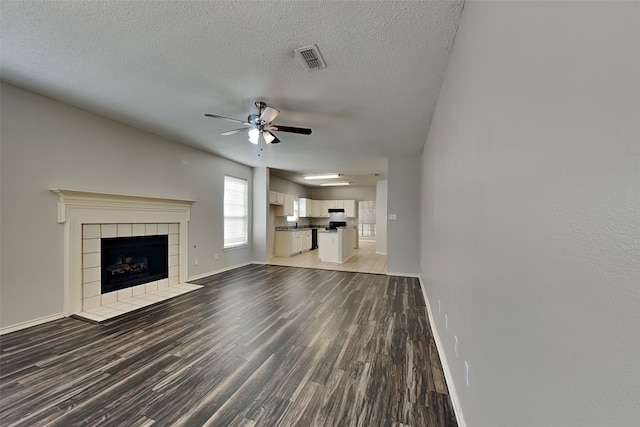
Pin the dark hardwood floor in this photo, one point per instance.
(260, 345)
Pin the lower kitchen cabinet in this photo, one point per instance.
(289, 243)
(305, 240)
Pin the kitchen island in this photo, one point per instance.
(337, 246)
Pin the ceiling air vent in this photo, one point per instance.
(310, 58)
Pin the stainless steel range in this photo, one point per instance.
(333, 225)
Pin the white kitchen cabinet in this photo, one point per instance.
(338, 246)
(287, 206)
(309, 208)
(316, 208)
(305, 240)
(276, 198)
(312, 208)
(337, 204)
(304, 207)
(325, 205)
(289, 243)
(350, 208)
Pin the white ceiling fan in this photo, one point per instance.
(259, 127)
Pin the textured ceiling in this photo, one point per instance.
(161, 65)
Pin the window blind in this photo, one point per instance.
(236, 212)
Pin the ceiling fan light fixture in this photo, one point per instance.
(335, 184)
(326, 176)
(259, 125)
(254, 136)
(268, 137)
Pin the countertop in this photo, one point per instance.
(296, 229)
(320, 228)
(335, 230)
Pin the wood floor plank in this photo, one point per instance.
(260, 345)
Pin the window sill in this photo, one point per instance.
(233, 248)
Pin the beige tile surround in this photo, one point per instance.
(99, 307)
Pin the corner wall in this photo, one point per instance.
(530, 213)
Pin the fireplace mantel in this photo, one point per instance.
(76, 208)
(71, 201)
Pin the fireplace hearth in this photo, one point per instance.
(130, 261)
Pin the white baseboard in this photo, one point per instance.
(455, 401)
(30, 323)
(211, 273)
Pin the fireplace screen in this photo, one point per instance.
(130, 261)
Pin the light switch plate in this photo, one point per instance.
(393, 217)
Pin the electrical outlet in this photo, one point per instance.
(466, 373)
(455, 346)
(446, 321)
(215, 256)
(195, 261)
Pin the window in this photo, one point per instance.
(367, 218)
(236, 212)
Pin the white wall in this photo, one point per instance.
(531, 231)
(47, 144)
(403, 200)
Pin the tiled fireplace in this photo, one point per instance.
(91, 217)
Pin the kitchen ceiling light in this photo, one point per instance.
(335, 184)
(328, 176)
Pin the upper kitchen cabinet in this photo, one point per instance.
(286, 209)
(276, 198)
(308, 208)
(304, 207)
(336, 204)
(322, 208)
(350, 208)
(314, 208)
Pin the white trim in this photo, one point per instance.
(76, 208)
(30, 323)
(222, 270)
(455, 401)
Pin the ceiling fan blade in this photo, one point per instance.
(234, 131)
(268, 134)
(291, 129)
(268, 114)
(226, 118)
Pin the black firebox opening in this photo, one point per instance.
(130, 261)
